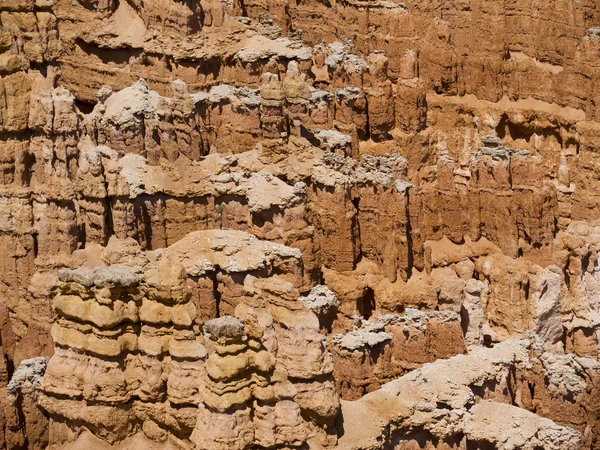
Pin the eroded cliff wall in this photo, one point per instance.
(219, 219)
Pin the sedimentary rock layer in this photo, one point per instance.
(359, 224)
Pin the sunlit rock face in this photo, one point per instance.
(312, 225)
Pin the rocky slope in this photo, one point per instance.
(354, 225)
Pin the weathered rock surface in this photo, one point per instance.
(478, 401)
(219, 218)
(132, 354)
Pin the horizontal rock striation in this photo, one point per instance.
(248, 224)
(133, 355)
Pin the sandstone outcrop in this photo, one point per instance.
(221, 220)
(133, 354)
(479, 401)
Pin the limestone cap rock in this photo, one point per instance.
(320, 300)
(228, 250)
(101, 276)
(226, 326)
(31, 370)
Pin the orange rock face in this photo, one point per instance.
(314, 225)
